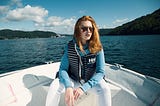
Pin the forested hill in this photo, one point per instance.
(145, 25)
(14, 34)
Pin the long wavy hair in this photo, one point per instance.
(94, 42)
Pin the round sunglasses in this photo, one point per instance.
(84, 29)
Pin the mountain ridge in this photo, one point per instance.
(144, 25)
(14, 34)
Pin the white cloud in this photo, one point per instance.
(59, 21)
(12, 4)
(82, 11)
(102, 26)
(58, 24)
(118, 22)
(17, 3)
(16, 12)
(3, 9)
(35, 14)
(114, 24)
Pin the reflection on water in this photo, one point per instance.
(139, 53)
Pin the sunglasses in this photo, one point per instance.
(84, 29)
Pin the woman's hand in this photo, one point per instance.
(69, 97)
(77, 93)
(72, 95)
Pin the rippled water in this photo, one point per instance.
(139, 53)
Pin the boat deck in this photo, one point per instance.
(29, 87)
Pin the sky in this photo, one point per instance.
(60, 16)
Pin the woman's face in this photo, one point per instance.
(86, 30)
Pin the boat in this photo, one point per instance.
(29, 87)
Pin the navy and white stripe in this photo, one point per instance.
(80, 67)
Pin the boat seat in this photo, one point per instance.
(114, 90)
(36, 89)
(90, 99)
(123, 98)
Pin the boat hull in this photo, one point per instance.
(29, 87)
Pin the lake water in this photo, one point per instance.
(138, 53)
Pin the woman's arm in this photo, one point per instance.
(63, 70)
(100, 72)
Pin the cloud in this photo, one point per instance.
(35, 14)
(8, 5)
(16, 12)
(82, 11)
(102, 26)
(118, 22)
(3, 9)
(58, 24)
(17, 3)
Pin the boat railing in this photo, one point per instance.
(144, 88)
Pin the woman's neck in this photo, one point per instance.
(83, 42)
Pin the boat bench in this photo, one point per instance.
(36, 88)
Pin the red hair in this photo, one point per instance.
(94, 42)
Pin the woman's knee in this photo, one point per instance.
(103, 87)
(57, 86)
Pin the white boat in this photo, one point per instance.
(29, 87)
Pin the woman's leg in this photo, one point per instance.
(103, 93)
(54, 93)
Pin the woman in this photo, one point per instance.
(82, 67)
